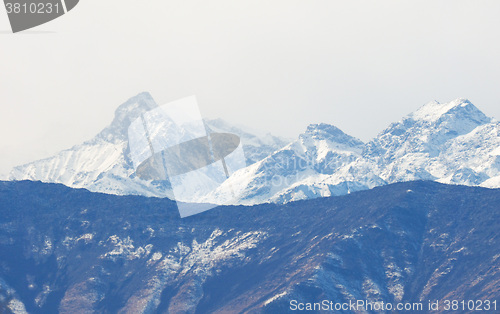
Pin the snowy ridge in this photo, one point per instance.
(307, 168)
(425, 145)
(449, 143)
(434, 110)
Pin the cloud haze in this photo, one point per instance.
(273, 65)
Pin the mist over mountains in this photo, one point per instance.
(449, 143)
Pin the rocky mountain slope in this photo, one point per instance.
(66, 250)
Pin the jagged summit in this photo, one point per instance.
(323, 131)
(125, 114)
(429, 127)
(319, 129)
(460, 108)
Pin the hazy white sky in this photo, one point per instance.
(273, 65)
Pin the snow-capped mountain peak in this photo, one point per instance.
(458, 109)
(103, 163)
(330, 133)
(425, 144)
(427, 129)
(125, 114)
(306, 168)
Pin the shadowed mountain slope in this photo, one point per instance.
(73, 251)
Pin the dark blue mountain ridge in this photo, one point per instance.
(66, 250)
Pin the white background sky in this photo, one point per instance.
(272, 65)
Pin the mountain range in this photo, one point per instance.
(410, 217)
(445, 142)
(449, 143)
(66, 250)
